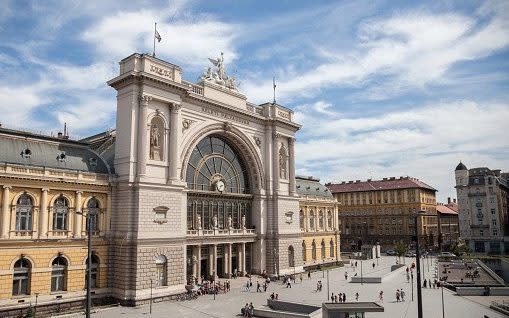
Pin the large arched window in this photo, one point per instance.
(320, 219)
(323, 249)
(304, 251)
(311, 220)
(60, 212)
(24, 212)
(219, 189)
(58, 274)
(291, 256)
(21, 278)
(157, 139)
(329, 220)
(161, 270)
(93, 214)
(313, 250)
(301, 219)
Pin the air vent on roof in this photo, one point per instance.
(61, 157)
(357, 181)
(350, 181)
(384, 179)
(393, 178)
(27, 153)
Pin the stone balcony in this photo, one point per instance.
(221, 232)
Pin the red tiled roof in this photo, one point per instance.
(388, 184)
(443, 209)
(453, 206)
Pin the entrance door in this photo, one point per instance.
(220, 269)
(204, 269)
(234, 263)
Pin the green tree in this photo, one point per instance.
(401, 250)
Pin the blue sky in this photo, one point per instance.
(382, 88)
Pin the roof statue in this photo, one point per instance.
(218, 76)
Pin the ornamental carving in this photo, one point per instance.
(218, 74)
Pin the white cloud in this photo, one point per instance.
(424, 142)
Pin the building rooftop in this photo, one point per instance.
(375, 185)
(444, 209)
(461, 166)
(311, 186)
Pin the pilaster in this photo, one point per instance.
(142, 135)
(5, 211)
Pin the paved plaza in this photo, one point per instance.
(228, 305)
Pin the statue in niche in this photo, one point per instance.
(155, 148)
(282, 163)
(214, 221)
(243, 221)
(230, 222)
(198, 222)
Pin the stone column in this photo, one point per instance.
(175, 131)
(226, 259)
(78, 218)
(107, 225)
(243, 257)
(198, 264)
(43, 229)
(291, 165)
(142, 136)
(275, 161)
(229, 249)
(5, 212)
(306, 213)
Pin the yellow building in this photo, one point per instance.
(318, 223)
(48, 188)
(384, 211)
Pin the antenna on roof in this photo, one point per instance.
(274, 88)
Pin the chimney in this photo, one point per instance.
(357, 181)
(369, 180)
(393, 178)
(448, 200)
(350, 181)
(384, 179)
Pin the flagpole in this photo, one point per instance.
(155, 30)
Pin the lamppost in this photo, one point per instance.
(418, 262)
(443, 309)
(89, 263)
(150, 308)
(37, 296)
(362, 282)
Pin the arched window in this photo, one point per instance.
(301, 219)
(313, 250)
(156, 138)
(311, 220)
(93, 214)
(332, 253)
(329, 220)
(161, 270)
(94, 272)
(320, 219)
(21, 278)
(58, 274)
(283, 164)
(323, 249)
(24, 212)
(291, 256)
(60, 211)
(304, 251)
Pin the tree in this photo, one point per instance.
(401, 250)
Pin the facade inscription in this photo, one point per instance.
(220, 114)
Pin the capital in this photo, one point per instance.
(291, 141)
(175, 107)
(79, 192)
(45, 189)
(145, 99)
(7, 187)
(276, 135)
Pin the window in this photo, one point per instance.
(329, 220)
(161, 270)
(492, 211)
(332, 248)
(311, 219)
(481, 232)
(291, 257)
(494, 222)
(304, 251)
(495, 232)
(21, 278)
(60, 209)
(323, 249)
(24, 209)
(313, 250)
(93, 214)
(320, 219)
(301, 219)
(58, 274)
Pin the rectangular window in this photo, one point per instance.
(492, 211)
(481, 232)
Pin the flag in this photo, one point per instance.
(157, 36)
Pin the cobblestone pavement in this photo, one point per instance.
(228, 305)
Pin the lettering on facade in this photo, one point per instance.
(224, 115)
(283, 114)
(161, 71)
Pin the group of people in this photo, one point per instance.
(432, 284)
(400, 295)
(319, 286)
(341, 297)
(249, 284)
(248, 310)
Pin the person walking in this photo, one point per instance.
(248, 286)
(381, 296)
(300, 276)
(397, 295)
(373, 265)
(425, 283)
(288, 283)
(340, 297)
(246, 310)
(258, 290)
(264, 287)
(309, 274)
(346, 275)
(357, 296)
(344, 297)
(402, 295)
(332, 297)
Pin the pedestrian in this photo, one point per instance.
(264, 287)
(300, 276)
(425, 283)
(373, 265)
(309, 274)
(357, 296)
(381, 296)
(258, 290)
(272, 296)
(346, 275)
(247, 286)
(407, 277)
(277, 296)
(355, 264)
(344, 297)
(288, 283)
(251, 310)
(402, 295)
(434, 283)
(340, 297)
(246, 310)
(336, 298)
(332, 297)
(397, 295)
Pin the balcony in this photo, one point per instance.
(221, 232)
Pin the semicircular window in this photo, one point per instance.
(215, 166)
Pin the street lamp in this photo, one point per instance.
(89, 263)
(37, 296)
(418, 262)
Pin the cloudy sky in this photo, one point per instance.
(382, 88)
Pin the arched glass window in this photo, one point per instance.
(329, 220)
(332, 253)
(304, 251)
(94, 271)
(313, 250)
(311, 220)
(58, 274)
(24, 212)
(323, 249)
(157, 139)
(215, 166)
(283, 164)
(21, 278)
(60, 211)
(320, 219)
(93, 214)
(291, 256)
(301, 219)
(161, 270)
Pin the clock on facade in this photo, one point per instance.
(220, 185)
